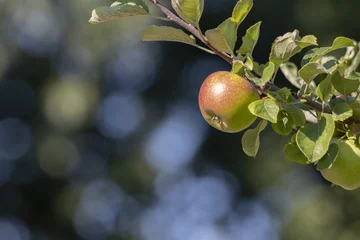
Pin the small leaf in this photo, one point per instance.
(325, 89)
(355, 61)
(341, 110)
(330, 63)
(297, 115)
(119, 9)
(329, 158)
(250, 39)
(288, 45)
(224, 37)
(164, 33)
(343, 85)
(241, 10)
(339, 42)
(309, 71)
(240, 68)
(313, 139)
(290, 72)
(293, 152)
(283, 95)
(189, 10)
(251, 140)
(266, 109)
(284, 125)
(308, 40)
(268, 72)
(313, 53)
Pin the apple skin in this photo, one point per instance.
(345, 171)
(224, 98)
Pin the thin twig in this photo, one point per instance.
(191, 29)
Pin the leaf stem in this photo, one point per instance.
(204, 49)
(161, 18)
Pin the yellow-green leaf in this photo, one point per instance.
(189, 10)
(250, 39)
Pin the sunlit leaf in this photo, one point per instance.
(266, 109)
(241, 10)
(250, 39)
(189, 10)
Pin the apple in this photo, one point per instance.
(345, 171)
(224, 98)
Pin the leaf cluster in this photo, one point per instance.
(325, 105)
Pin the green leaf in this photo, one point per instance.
(240, 68)
(309, 71)
(341, 110)
(290, 72)
(284, 125)
(189, 10)
(313, 139)
(250, 40)
(330, 63)
(297, 114)
(224, 37)
(119, 9)
(293, 152)
(288, 45)
(283, 95)
(313, 53)
(339, 42)
(308, 40)
(343, 85)
(355, 61)
(266, 109)
(241, 10)
(164, 33)
(251, 140)
(329, 158)
(325, 89)
(268, 72)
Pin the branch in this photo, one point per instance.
(191, 29)
(269, 86)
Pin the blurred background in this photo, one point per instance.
(101, 137)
